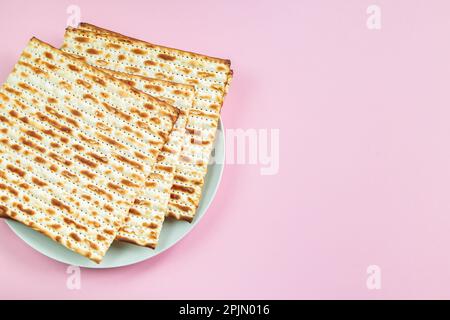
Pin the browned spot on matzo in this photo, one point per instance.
(16, 170)
(116, 188)
(82, 39)
(73, 68)
(83, 83)
(88, 174)
(86, 161)
(132, 163)
(74, 236)
(59, 159)
(32, 145)
(100, 191)
(60, 205)
(98, 157)
(139, 51)
(166, 57)
(93, 51)
(90, 97)
(150, 63)
(5, 120)
(55, 226)
(69, 175)
(75, 112)
(25, 210)
(38, 182)
(135, 212)
(110, 141)
(33, 134)
(177, 187)
(113, 46)
(75, 224)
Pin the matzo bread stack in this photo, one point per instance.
(103, 139)
(76, 148)
(210, 76)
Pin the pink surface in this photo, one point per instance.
(364, 173)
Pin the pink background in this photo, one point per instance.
(364, 153)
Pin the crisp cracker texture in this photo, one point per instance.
(210, 76)
(76, 148)
(145, 219)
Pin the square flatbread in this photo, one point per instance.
(145, 219)
(210, 76)
(76, 147)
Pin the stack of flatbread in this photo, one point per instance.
(103, 139)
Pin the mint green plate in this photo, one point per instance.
(121, 253)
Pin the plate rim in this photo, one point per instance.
(194, 223)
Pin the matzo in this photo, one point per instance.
(210, 76)
(145, 219)
(75, 148)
